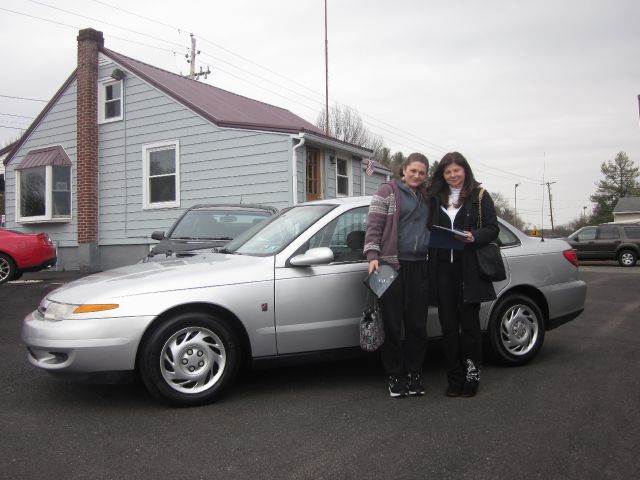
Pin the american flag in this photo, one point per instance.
(370, 164)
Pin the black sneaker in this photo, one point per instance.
(397, 386)
(414, 384)
(454, 390)
(469, 389)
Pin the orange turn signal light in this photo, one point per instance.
(95, 307)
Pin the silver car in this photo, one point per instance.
(288, 287)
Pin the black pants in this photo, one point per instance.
(460, 323)
(405, 304)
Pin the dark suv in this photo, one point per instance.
(609, 241)
(207, 226)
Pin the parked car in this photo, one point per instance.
(207, 226)
(24, 252)
(609, 241)
(291, 287)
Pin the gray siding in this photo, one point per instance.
(58, 127)
(356, 165)
(216, 164)
(373, 182)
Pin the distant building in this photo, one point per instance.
(627, 210)
(123, 148)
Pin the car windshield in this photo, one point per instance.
(274, 235)
(215, 224)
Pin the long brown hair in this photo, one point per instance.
(440, 188)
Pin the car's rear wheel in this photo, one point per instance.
(516, 329)
(627, 258)
(189, 359)
(7, 268)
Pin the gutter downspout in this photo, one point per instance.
(294, 168)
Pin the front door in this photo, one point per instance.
(319, 307)
(314, 174)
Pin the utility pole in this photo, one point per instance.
(515, 200)
(548, 184)
(326, 71)
(584, 211)
(191, 60)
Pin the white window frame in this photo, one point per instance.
(102, 85)
(146, 149)
(349, 177)
(48, 203)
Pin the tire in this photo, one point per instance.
(8, 268)
(627, 258)
(17, 275)
(208, 354)
(516, 329)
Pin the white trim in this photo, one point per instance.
(349, 177)
(102, 83)
(48, 202)
(146, 205)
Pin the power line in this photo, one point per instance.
(15, 128)
(15, 115)
(23, 98)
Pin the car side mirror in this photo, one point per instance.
(157, 235)
(313, 256)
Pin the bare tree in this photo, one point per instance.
(504, 210)
(346, 124)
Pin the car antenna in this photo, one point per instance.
(240, 199)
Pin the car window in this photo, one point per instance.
(215, 224)
(506, 238)
(608, 233)
(588, 233)
(344, 236)
(632, 232)
(273, 235)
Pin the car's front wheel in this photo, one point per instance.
(189, 359)
(516, 329)
(7, 268)
(627, 258)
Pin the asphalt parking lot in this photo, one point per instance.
(571, 413)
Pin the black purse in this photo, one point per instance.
(490, 264)
(371, 325)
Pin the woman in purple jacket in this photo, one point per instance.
(398, 234)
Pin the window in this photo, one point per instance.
(344, 236)
(343, 177)
(161, 177)
(586, 234)
(43, 194)
(506, 238)
(607, 233)
(632, 232)
(110, 101)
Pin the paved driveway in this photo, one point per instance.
(572, 413)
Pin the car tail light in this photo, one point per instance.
(44, 239)
(571, 256)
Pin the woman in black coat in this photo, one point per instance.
(456, 287)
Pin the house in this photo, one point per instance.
(627, 210)
(123, 148)
(4, 152)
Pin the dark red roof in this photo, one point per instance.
(45, 156)
(223, 108)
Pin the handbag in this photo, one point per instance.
(490, 263)
(371, 326)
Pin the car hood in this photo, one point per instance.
(176, 246)
(199, 271)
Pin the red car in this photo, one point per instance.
(24, 252)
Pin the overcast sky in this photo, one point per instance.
(516, 87)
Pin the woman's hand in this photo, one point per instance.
(373, 265)
(468, 238)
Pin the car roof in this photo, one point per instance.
(347, 201)
(233, 206)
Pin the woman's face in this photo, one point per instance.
(415, 174)
(454, 175)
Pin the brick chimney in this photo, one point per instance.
(89, 43)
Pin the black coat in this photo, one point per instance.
(475, 289)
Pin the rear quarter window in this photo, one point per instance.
(632, 232)
(506, 238)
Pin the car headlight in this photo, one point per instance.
(56, 311)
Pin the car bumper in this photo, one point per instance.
(565, 300)
(46, 264)
(83, 346)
